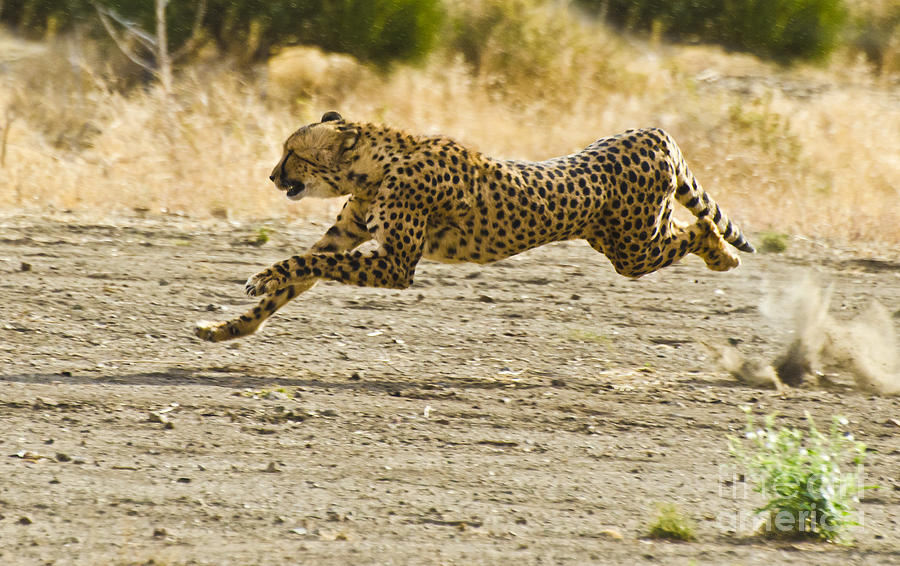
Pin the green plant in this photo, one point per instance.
(670, 523)
(262, 236)
(377, 31)
(773, 242)
(783, 30)
(800, 475)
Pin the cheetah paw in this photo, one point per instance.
(717, 254)
(263, 283)
(211, 331)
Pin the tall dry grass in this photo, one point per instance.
(808, 150)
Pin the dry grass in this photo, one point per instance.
(810, 151)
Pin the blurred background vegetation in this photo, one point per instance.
(794, 102)
(382, 31)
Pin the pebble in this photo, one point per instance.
(610, 534)
(155, 417)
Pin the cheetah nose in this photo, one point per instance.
(272, 177)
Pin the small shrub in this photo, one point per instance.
(262, 236)
(799, 474)
(672, 524)
(875, 32)
(773, 242)
(531, 49)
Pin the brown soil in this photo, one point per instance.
(536, 410)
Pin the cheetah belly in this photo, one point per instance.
(474, 241)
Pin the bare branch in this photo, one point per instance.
(120, 43)
(132, 28)
(5, 138)
(196, 35)
(164, 63)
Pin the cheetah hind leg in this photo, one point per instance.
(713, 248)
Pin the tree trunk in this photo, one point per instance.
(163, 61)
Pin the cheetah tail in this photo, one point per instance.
(691, 195)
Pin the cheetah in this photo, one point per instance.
(431, 197)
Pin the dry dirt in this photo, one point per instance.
(535, 411)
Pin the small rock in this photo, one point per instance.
(28, 455)
(163, 283)
(557, 382)
(24, 266)
(277, 396)
(272, 468)
(486, 299)
(160, 532)
(169, 425)
(357, 376)
(575, 297)
(24, 521)
(611, 534)
(328, 413)
(63, 457)
(183, 480)
(155, 417)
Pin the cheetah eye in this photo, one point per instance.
(309, 158)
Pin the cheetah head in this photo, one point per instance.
(315, 157)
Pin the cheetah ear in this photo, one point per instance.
(332, 116)
(349, 136)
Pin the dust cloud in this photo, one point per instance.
(819, 345)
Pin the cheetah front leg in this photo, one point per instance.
(348, 232)
(252, 320)
(392, 265)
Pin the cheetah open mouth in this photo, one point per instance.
(294, 190)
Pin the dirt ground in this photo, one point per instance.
(535, 411)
